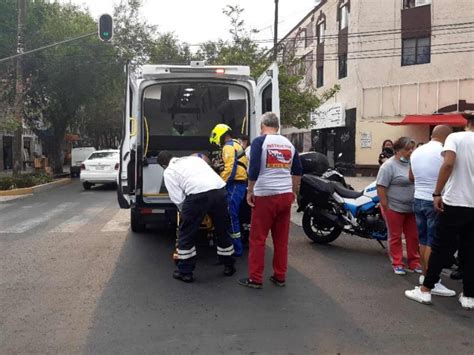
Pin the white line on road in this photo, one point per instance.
(75, 223)
(34, 222)
(120, 222)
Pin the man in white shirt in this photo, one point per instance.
(424, 170)
(197, 190)
(456, 207)
(274, 178)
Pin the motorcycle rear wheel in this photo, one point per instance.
(319, 232)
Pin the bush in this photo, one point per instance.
(24, 180)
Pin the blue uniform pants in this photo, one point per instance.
(236, 192)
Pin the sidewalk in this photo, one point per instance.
(360, 182)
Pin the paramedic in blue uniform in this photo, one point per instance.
(197, 191)
(235, 175)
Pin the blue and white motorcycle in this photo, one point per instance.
(330, 209)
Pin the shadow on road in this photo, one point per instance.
(143, 309)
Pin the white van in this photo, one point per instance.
(78, 155)
(174, 108)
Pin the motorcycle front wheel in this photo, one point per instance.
(319, 231)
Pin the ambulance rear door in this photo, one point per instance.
(267, 94)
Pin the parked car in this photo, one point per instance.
(101, 167)
(78, 155)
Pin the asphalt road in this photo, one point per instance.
(75, 279)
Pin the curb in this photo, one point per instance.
(35, 189)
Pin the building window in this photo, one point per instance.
(409, 4)
(320, 76)
(416, 51)
(321, 31)
(344, 17)
(302, 40)
(342, 66)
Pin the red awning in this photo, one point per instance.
(432, 120)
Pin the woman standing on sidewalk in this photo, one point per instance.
(396, 194)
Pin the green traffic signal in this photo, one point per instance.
(105, 28)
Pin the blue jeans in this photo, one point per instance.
(426, 221)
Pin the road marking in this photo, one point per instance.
(34, 222)
(75, 223)
(120, 222)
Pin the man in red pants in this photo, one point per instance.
(274, 179)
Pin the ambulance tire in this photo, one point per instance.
(135, 221)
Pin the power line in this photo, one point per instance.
(381, 33)
(444, 27)
(391, 49)
(46, 47)
(455, 50)
(374, 41)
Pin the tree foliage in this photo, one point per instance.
(296, 99)
(78, 87)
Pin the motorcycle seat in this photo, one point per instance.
(346, 193)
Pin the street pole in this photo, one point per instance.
(18, 135)
(275, 38)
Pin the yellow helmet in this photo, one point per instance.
(218, 132)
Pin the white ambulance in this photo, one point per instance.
(174, 108)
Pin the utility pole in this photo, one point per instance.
(18, 135)
(275, 38)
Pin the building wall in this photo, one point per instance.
(388, 91)
(377, 84)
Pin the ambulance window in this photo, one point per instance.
(267, 99)
(180, 116)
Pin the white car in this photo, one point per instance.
(101, 167)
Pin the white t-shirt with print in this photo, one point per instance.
(425, 163)
(459, 190)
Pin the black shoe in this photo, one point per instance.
(250, 283)
(229, 270)
(456, 275)
(277, 282)
(183, 277)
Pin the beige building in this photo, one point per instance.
(391, 58)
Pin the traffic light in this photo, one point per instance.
(106, 29)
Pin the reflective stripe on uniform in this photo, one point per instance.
(235, 235)
(225, 251)
(186, 254)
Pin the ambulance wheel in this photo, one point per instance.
(136, 222)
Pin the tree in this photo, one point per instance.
(296, 99)
(133, 36)
(167, 49)
(63, 79)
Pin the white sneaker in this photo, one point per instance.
(417, 295)
(441, 290)
(466, 302)
(421, 279)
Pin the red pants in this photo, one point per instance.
(270, 213)
(398, 223)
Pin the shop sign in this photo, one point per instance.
(328, 116)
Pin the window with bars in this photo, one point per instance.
(320, 76)
(342, 59)
(302, 39)
(344, 17)
(416, 51)
(321, 31)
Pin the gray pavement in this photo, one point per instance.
(75, 279)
